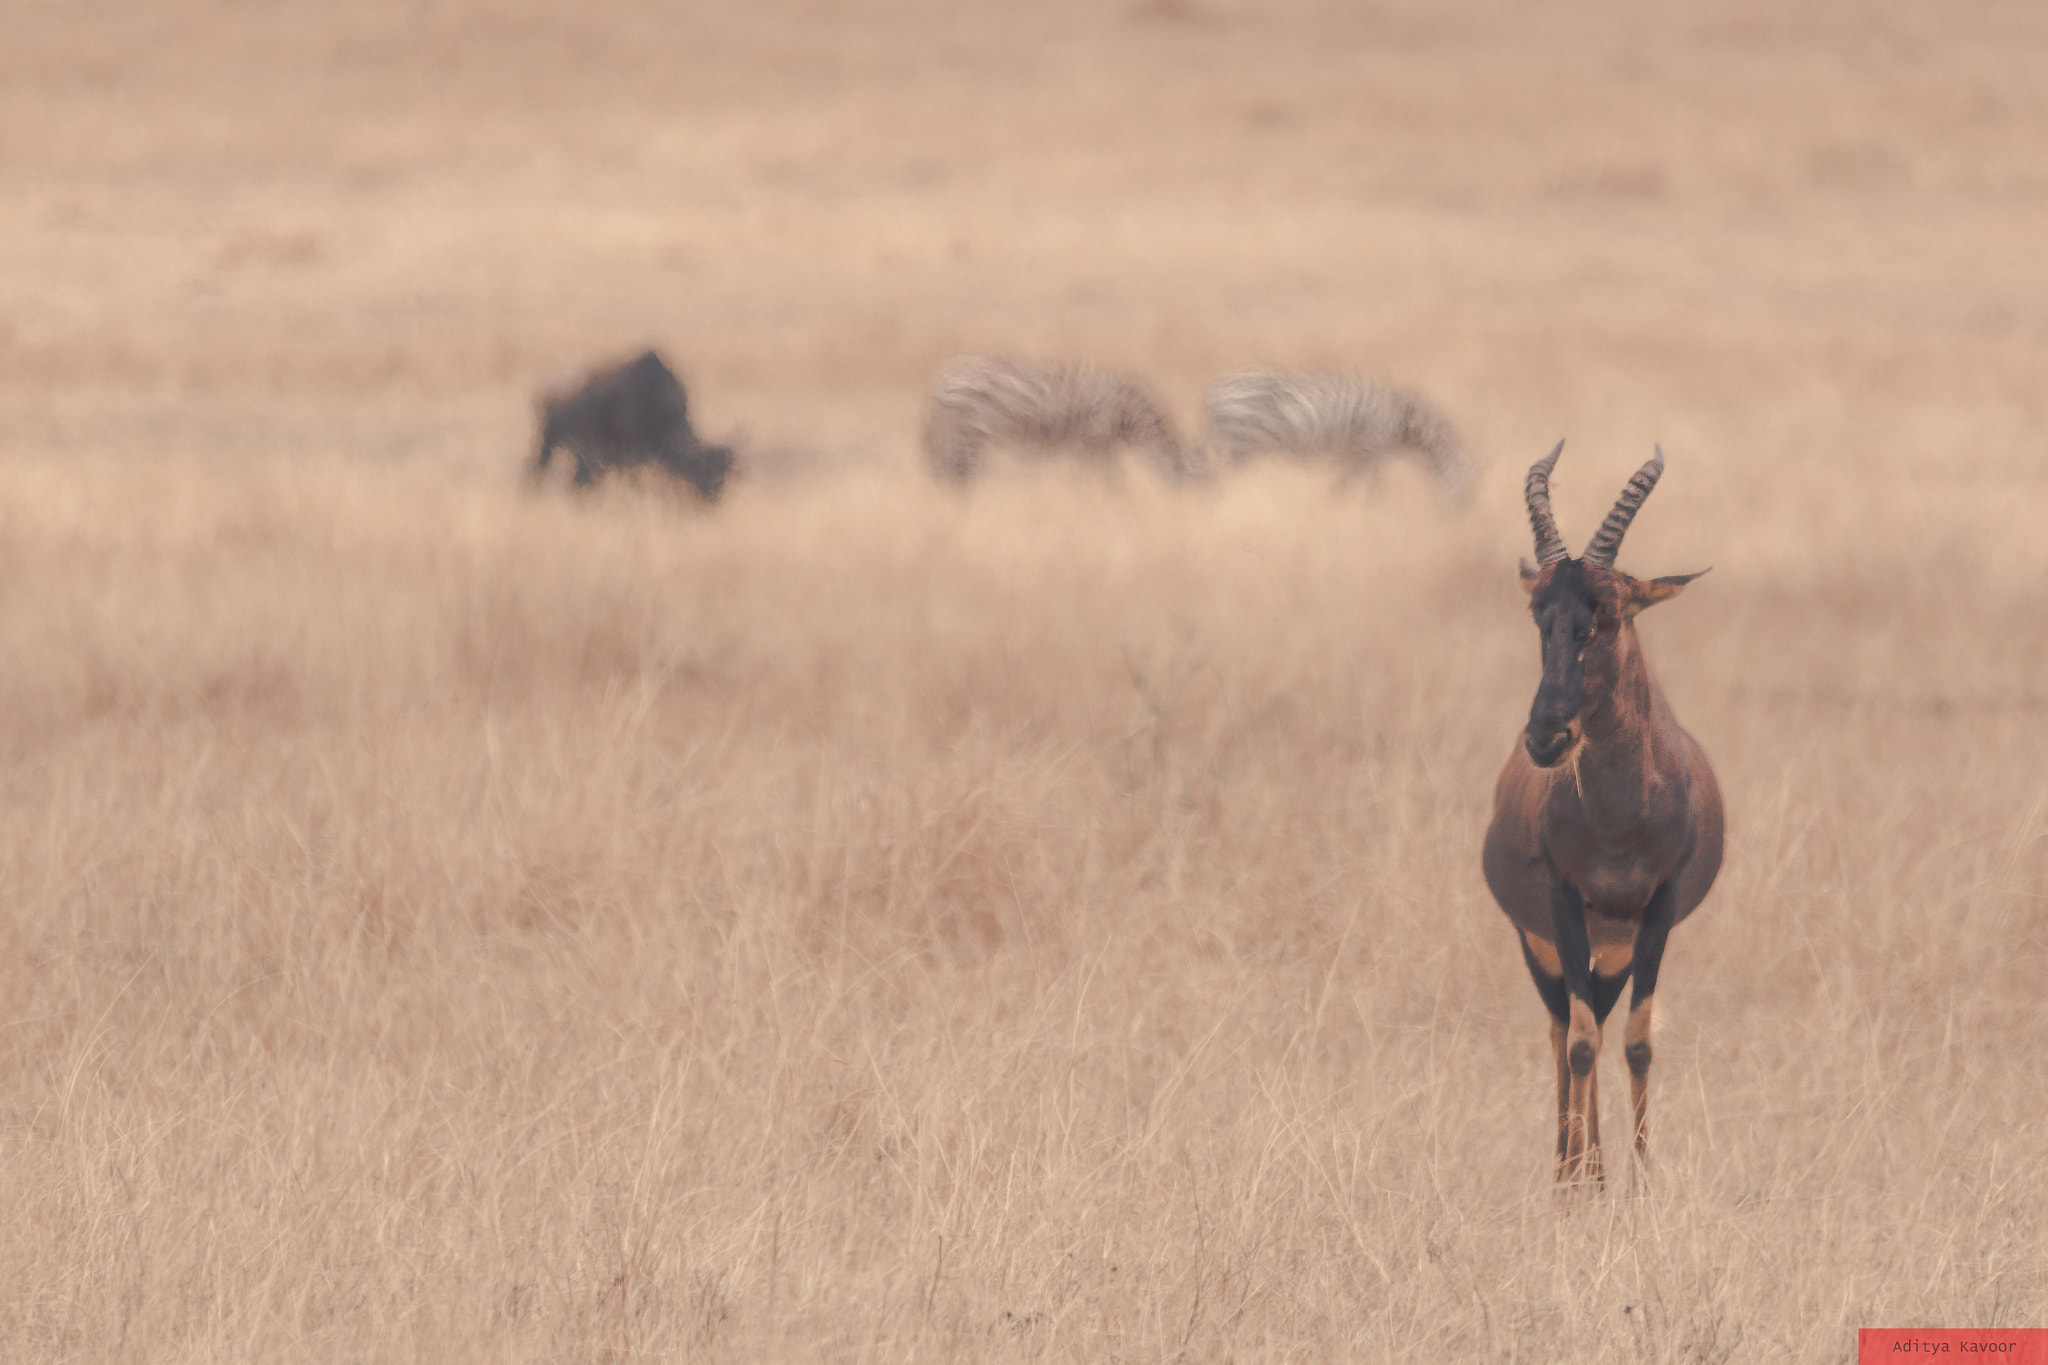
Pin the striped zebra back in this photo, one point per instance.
(979, 402)
(1354, 420)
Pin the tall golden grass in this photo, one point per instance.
(862, 923)
(859, 922)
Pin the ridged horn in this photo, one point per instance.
(1606, 541)
(1549, 544)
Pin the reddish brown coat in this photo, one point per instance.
(1607, 824)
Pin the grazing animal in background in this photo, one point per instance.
(1356, 421)
(1607, 820)
(982, 401)
(628, 415)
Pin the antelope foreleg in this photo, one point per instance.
(1582, 1032)
(1637, 1051)
(1564, 1090)
(1649, 957)
(1548, 975)
(1582, 1117)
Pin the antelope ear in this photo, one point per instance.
(1649, 594)
(1530, 573)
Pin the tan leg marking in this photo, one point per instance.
(1545, 953)
(1611, 959)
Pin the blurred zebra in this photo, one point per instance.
(1356, 420)
(983, 401)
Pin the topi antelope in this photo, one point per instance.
(1607, 820)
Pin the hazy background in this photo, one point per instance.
(857, 922)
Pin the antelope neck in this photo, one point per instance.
(1619, 747)
(1624, 710)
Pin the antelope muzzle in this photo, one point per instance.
(1548, 742)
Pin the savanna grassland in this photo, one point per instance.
(445, 921)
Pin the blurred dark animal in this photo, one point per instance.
(1606, 820)
(1355, 420)
(625, 416)
(983, 401)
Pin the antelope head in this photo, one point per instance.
(1583, 609)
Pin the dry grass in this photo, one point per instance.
(862, 923)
